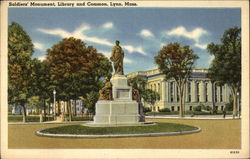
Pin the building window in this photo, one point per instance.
(159, 90)
(222, 108)
(155, 87)
(189, 92)
(178, 108)
(177, 93)
(198, 92)
(215, 92)
(216, 107)
(171, 91)
(172, 108)
(221, 97)
(206, 92)
(190, 108)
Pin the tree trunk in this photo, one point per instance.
(69, 110)
(181, 112)
(49, 109)
(75, 108)
(24, 114)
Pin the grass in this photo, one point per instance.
(158, 127)
(19, 118)
(187, 113)
(36, 118)
(82, 118)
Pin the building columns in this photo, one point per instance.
(202, 91)
(163, 90)
(193, 91)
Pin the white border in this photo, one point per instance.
(135, 153)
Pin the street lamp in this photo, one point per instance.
(54, 93)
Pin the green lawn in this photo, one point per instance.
(36, 118)
(33, 118)
(86, 130)
(187, 113)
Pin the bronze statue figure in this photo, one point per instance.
(106, 92)
(117, 58)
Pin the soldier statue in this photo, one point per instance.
(117, 58)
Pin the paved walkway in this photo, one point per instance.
(149, 117)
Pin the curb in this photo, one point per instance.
(39, 133)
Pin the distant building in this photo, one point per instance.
(198, 90)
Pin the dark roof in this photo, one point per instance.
(192, 75)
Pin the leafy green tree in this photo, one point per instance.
(138, 83)
(41, 83)
(35, 101)
(176, 61)
(20, 50)
(150, 97)
(90, 100)
(226, 66)
(76, 69)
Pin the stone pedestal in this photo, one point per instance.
(121, 110)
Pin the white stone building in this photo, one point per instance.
(198, 90)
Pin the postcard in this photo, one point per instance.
(125, 79)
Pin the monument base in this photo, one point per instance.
(122, 110)
(116, 112)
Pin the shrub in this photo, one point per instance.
(147, 109)
(164, 110)
(229, 107)
(197, 108)
(208, 108)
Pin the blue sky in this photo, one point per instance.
(141, 31)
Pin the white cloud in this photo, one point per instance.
(41, 58)
(59, 32)
(195, 34)
(79, 33)
(132, 49)
(38, 46)
(108, 25)
(126, 60)
(201, 46)
(146, 33)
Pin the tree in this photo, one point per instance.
(41, 84)
(151, 97)
(226, 66)
(76, 69)
(176, 61)
(35, 101)
(90, 100)
(20, 50)
(138, 83)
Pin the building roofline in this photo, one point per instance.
(156, 72)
